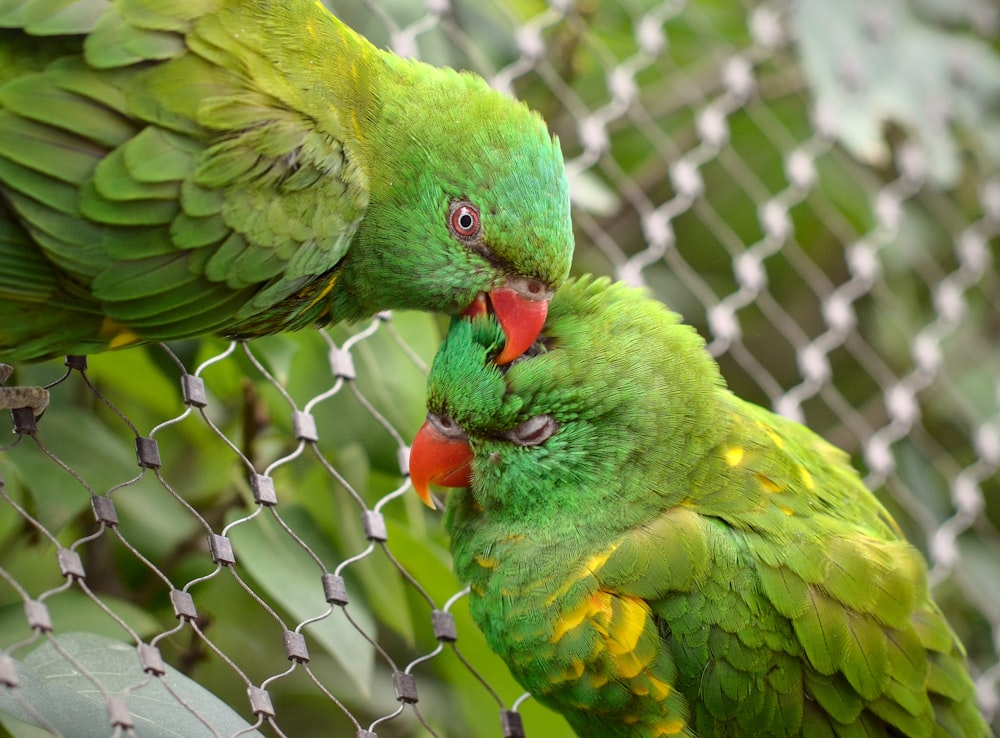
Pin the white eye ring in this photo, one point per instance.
(447, 427)
(463, 220)
(533, 431)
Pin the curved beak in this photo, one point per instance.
(521, 315)
(438, 459)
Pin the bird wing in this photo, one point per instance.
(171, 171)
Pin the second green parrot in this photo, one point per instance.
(653, 556)
(174, 169)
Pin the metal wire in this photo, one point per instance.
(268, 553)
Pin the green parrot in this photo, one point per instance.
(653, 556)
(173, 169)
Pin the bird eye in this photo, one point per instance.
(533, 431)
(463, 220)
(446, 426)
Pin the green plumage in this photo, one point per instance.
(653, 556)
(171, 169)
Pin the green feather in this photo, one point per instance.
(114, 181)
(666, 559)
(320, 168)
(114, 42)
(40, 98)
(131, 280)
(157, 155)
(196, 303)
(61, 196)
(95, 205)
(788, 593)
(198, 202)
(27, 276)
(60, 154)
(190, 232)
(61, 237)
(71, 73)
(165, 15)
(50, 18)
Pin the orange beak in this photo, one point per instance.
(521, 316)
(438, 459)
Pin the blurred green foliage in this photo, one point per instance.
(357, 455)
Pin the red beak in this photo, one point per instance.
(521, 316)
(438, 459)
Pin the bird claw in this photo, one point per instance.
(14, 399)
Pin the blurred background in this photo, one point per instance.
(814, 185)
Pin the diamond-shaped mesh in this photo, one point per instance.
(217, 539)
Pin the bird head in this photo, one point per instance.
(612, 376)
(468, 210)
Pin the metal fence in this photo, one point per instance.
(216, 539)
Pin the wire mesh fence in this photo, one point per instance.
(219, 539)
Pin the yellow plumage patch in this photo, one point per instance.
(775, 438)
(587, 568)
(125, 338)
(598, 680)
(659, 690)
(596, 562)
(671, 726)
(628, 627)
(591, 605)
(358, 128)
(485, 562)
(325, 291)
(624, 634)
(620, 620)
(570, 674)
(768, 484)
(734, 455)
(807, 478)
(628, 665)
(118, 335)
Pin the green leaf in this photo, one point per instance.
(68, 700)
(874, 65)
(390, 379)
(58, 497)
(291, 577)
(19, 729)
(337, 525)
(73, 609)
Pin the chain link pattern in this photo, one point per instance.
(852, 289)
